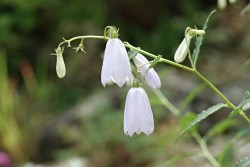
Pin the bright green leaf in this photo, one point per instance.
(203, 115)
(199, 41)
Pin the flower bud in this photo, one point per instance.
(182, 51)
(60, 66)
(222, 4)
(151, 77)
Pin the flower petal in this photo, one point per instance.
(146, 116)
(130, 114)
(152, 78)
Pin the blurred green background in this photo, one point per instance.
(74, 120)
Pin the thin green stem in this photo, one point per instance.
(82, 38)
(205, 150)
(167, 103)
(193, 70)
(155, 56)
(214, 89)
(233, 107)
(244, 116)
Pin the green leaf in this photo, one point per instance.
(186, 119)
(245, 10)
(132, 53)
(203, 115)
(245, 100)
(199, 41)
(245, 162)
(220, 128)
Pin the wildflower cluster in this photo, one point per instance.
(132, 68)
(116, 68)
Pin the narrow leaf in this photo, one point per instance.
(203, 115)
(245, 162)
(245, 101)
(199, 41)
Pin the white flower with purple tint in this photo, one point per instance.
(138, 116)
(116, 66)
(182, 51)
(151, 77)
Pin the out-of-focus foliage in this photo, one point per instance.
(40, 117)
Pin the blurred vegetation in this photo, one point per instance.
(44, 119)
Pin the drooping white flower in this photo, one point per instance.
(60, 66)
(182, 51)
(138, 116)
(151, 77)
(116, 66)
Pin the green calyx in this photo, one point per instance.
(111, 32)
(136, 83)
(193, 32)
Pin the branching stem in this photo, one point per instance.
(163, 60)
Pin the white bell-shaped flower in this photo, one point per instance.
(116, 66)
(138, 116)
(60, 66)
(182, 51)
(151, 77)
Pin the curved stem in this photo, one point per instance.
(155, 56)
(167, 103)
(199, 75)
(214, 89)
(81, 38)
(231, 105)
